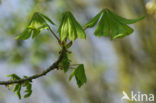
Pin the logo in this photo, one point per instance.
(137, 97)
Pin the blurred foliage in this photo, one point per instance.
(18, 86)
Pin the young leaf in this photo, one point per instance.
(111, 24)
(124, 20)
(79, 30)
(79, 74)
(102, 28)
(36, 25)
(70, 28)
(35, 33)
(17, 89)
(93, 21)
(72, 74)
(28, 90)
(18, 92)
(25, 34)
(63, 28)
(14, 76)
(38, 22)
(65, 63)
(118, 29)
(45, 17)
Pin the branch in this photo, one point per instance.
(54, 34)
(52, 67)
(85, 28)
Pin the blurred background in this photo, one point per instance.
(127, 64)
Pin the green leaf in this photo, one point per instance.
(35, 33)
(14, 76)
(79, 30)
(37, 24)
(18, 91)
(111, 24)
(93, 21)
(124, 20)
(79, 74)
(72, 74)
(28, 90)
(45, 17)
(103, 26)
(63, 28)
(25, 34)
(117, 29)
(28, 94)
(16, 87)
(65, 63)
(69, 45)
(70, 28)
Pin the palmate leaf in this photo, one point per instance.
(72, 74)
(70, 28)
(14, 76)
(25, 34)
(28, 90)
(36, 25)
(46, 18)
(18, 86)
(18, 90)
(111, 24)
(79, 74)
(124, 20)
(93, 21)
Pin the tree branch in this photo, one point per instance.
(52, 67)
(54, 34)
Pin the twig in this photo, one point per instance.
(52, 67)
(85, 28)
(54, 34)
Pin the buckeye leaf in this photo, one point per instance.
(14, 76)
(93, 21)
(117, 29)
(36, 25)
(46, 18)
(70, 28)
(103, 27)
(37, 22)
(17, 89)
(72, 74)
(28, 90)
(25, 34)
(80, 75)
(111, 24)
(124, 20)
